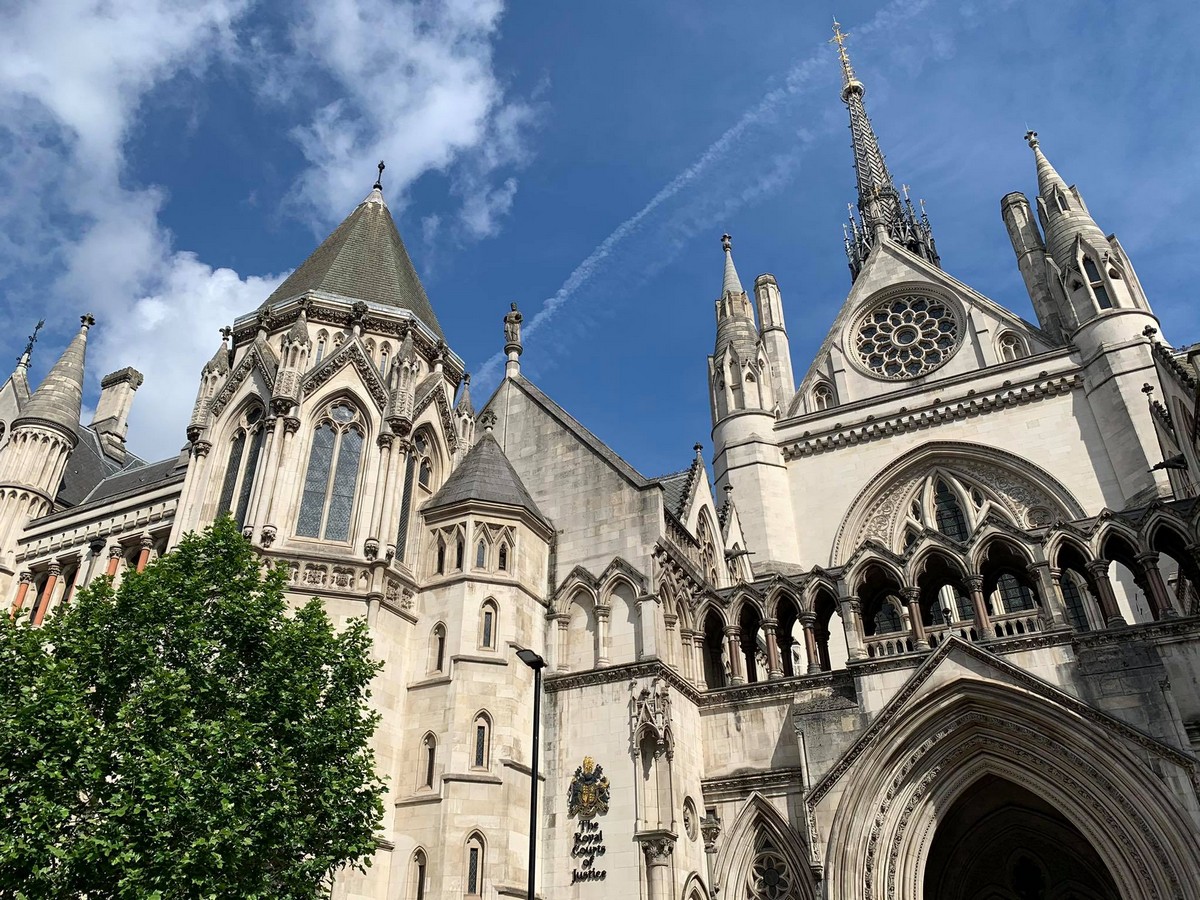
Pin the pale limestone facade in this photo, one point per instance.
(934, 631)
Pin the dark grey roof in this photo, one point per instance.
(140, 477)
(364, 259)
(485, 474)
(675, 486)
(87, 467)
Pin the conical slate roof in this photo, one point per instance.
(364, 259)
(487, 475)
(59, 397)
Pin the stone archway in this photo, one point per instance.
(1001, 841)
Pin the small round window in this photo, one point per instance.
(906, 336)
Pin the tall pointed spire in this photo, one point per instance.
(1062, 211)
(59, 398)
(730, 283)
(883, 214)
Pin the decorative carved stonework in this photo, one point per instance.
(651, 714)
(267, 536)
(588, 795)
(371, 549)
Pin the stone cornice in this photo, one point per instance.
(937, 413)
(622, 673)
(775, 688)
(786, 779)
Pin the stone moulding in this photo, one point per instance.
(939, 414)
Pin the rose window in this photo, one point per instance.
(770, 878)
(907, 336)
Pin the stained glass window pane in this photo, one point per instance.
(316, 480)
(487, 628)
(966, 611)
(341, 499)
(480, 743)
(473, 872)
(950, 519)
(405, 503)
(430, 758)
(1014, 595)
(231, 473)
(887, 620)
(1073, 600)
(480, 555)
(248, 476)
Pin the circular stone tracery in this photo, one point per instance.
(907, 336)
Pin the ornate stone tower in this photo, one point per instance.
(34, 460)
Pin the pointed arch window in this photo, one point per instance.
(481, 742)
(385, 359)
(481, 554)
(428, 760)
(420, 867)
(440, 567)
(1014, 596)
(1073, 603)
(460, 551)
(1096, 280)
(331, 480)
(887, 620)
(502, 558)
(1060, 200)
(770, 877)
(475, 864)
(950, 519)
(822, 397)
(437, 648)
(240, 467)
(488, 622)
(1010, 347)
(322, 340)
(418, 486)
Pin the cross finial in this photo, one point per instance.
(33, 339)
(1031, 138)
(226, 331)
(839, 38)
(726, 242)
(379, 178)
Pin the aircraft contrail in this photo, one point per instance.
(794, 81)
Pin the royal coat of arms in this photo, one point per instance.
(588, 796)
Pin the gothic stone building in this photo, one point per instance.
(934, 631)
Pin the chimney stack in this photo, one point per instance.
(112, 412)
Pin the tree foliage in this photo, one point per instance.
(185, 736)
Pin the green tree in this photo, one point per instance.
(186, 736)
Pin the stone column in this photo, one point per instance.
(670, 622)
(26, 579)
(851, 609)
(774, 666)
(658, 850)
(1155, 586)
(983, 622)
(808, 621)
(144, 555)
(393, 489)
(96, 547)
(1098, 569)
(648, 607)
(710, 831)
(733, 645)
(699, 674)
(602, 615)
(1052, 600)
(378, 497)
(560, 642)
(912, 597)
(263, 476)
(283, 445)
(114, 559)
(47, 593)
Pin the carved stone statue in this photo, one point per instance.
(512, 326)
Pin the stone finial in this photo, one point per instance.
(512, 341)
(378, 185)
(488, 420)
(1031, 139)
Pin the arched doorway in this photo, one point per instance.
(1000, 841)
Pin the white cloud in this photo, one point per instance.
(415, 85)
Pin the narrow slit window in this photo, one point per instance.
(480, 555)
(1097, 283)
(502, 558)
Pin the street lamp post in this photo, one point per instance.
(536, 663)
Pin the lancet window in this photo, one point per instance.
(1097, 282)
(331, 480)
(418, 487)
(475, 863)
(240, 467)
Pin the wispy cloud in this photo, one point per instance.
(713, 196)
(414, 83)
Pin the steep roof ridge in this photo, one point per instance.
(364, 258)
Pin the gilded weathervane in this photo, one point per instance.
(588, 796)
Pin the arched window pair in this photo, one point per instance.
(450, 550)
(240, 467)
(331, 480)
(485, 557)
(822, 396)
(1010, 347)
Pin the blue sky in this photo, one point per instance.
(163, 164)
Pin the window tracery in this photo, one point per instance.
(1011, 347)
(906, 336)
(244, 450)
(331, 479)
(475, 864)
(771, 876)
(822, 397)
